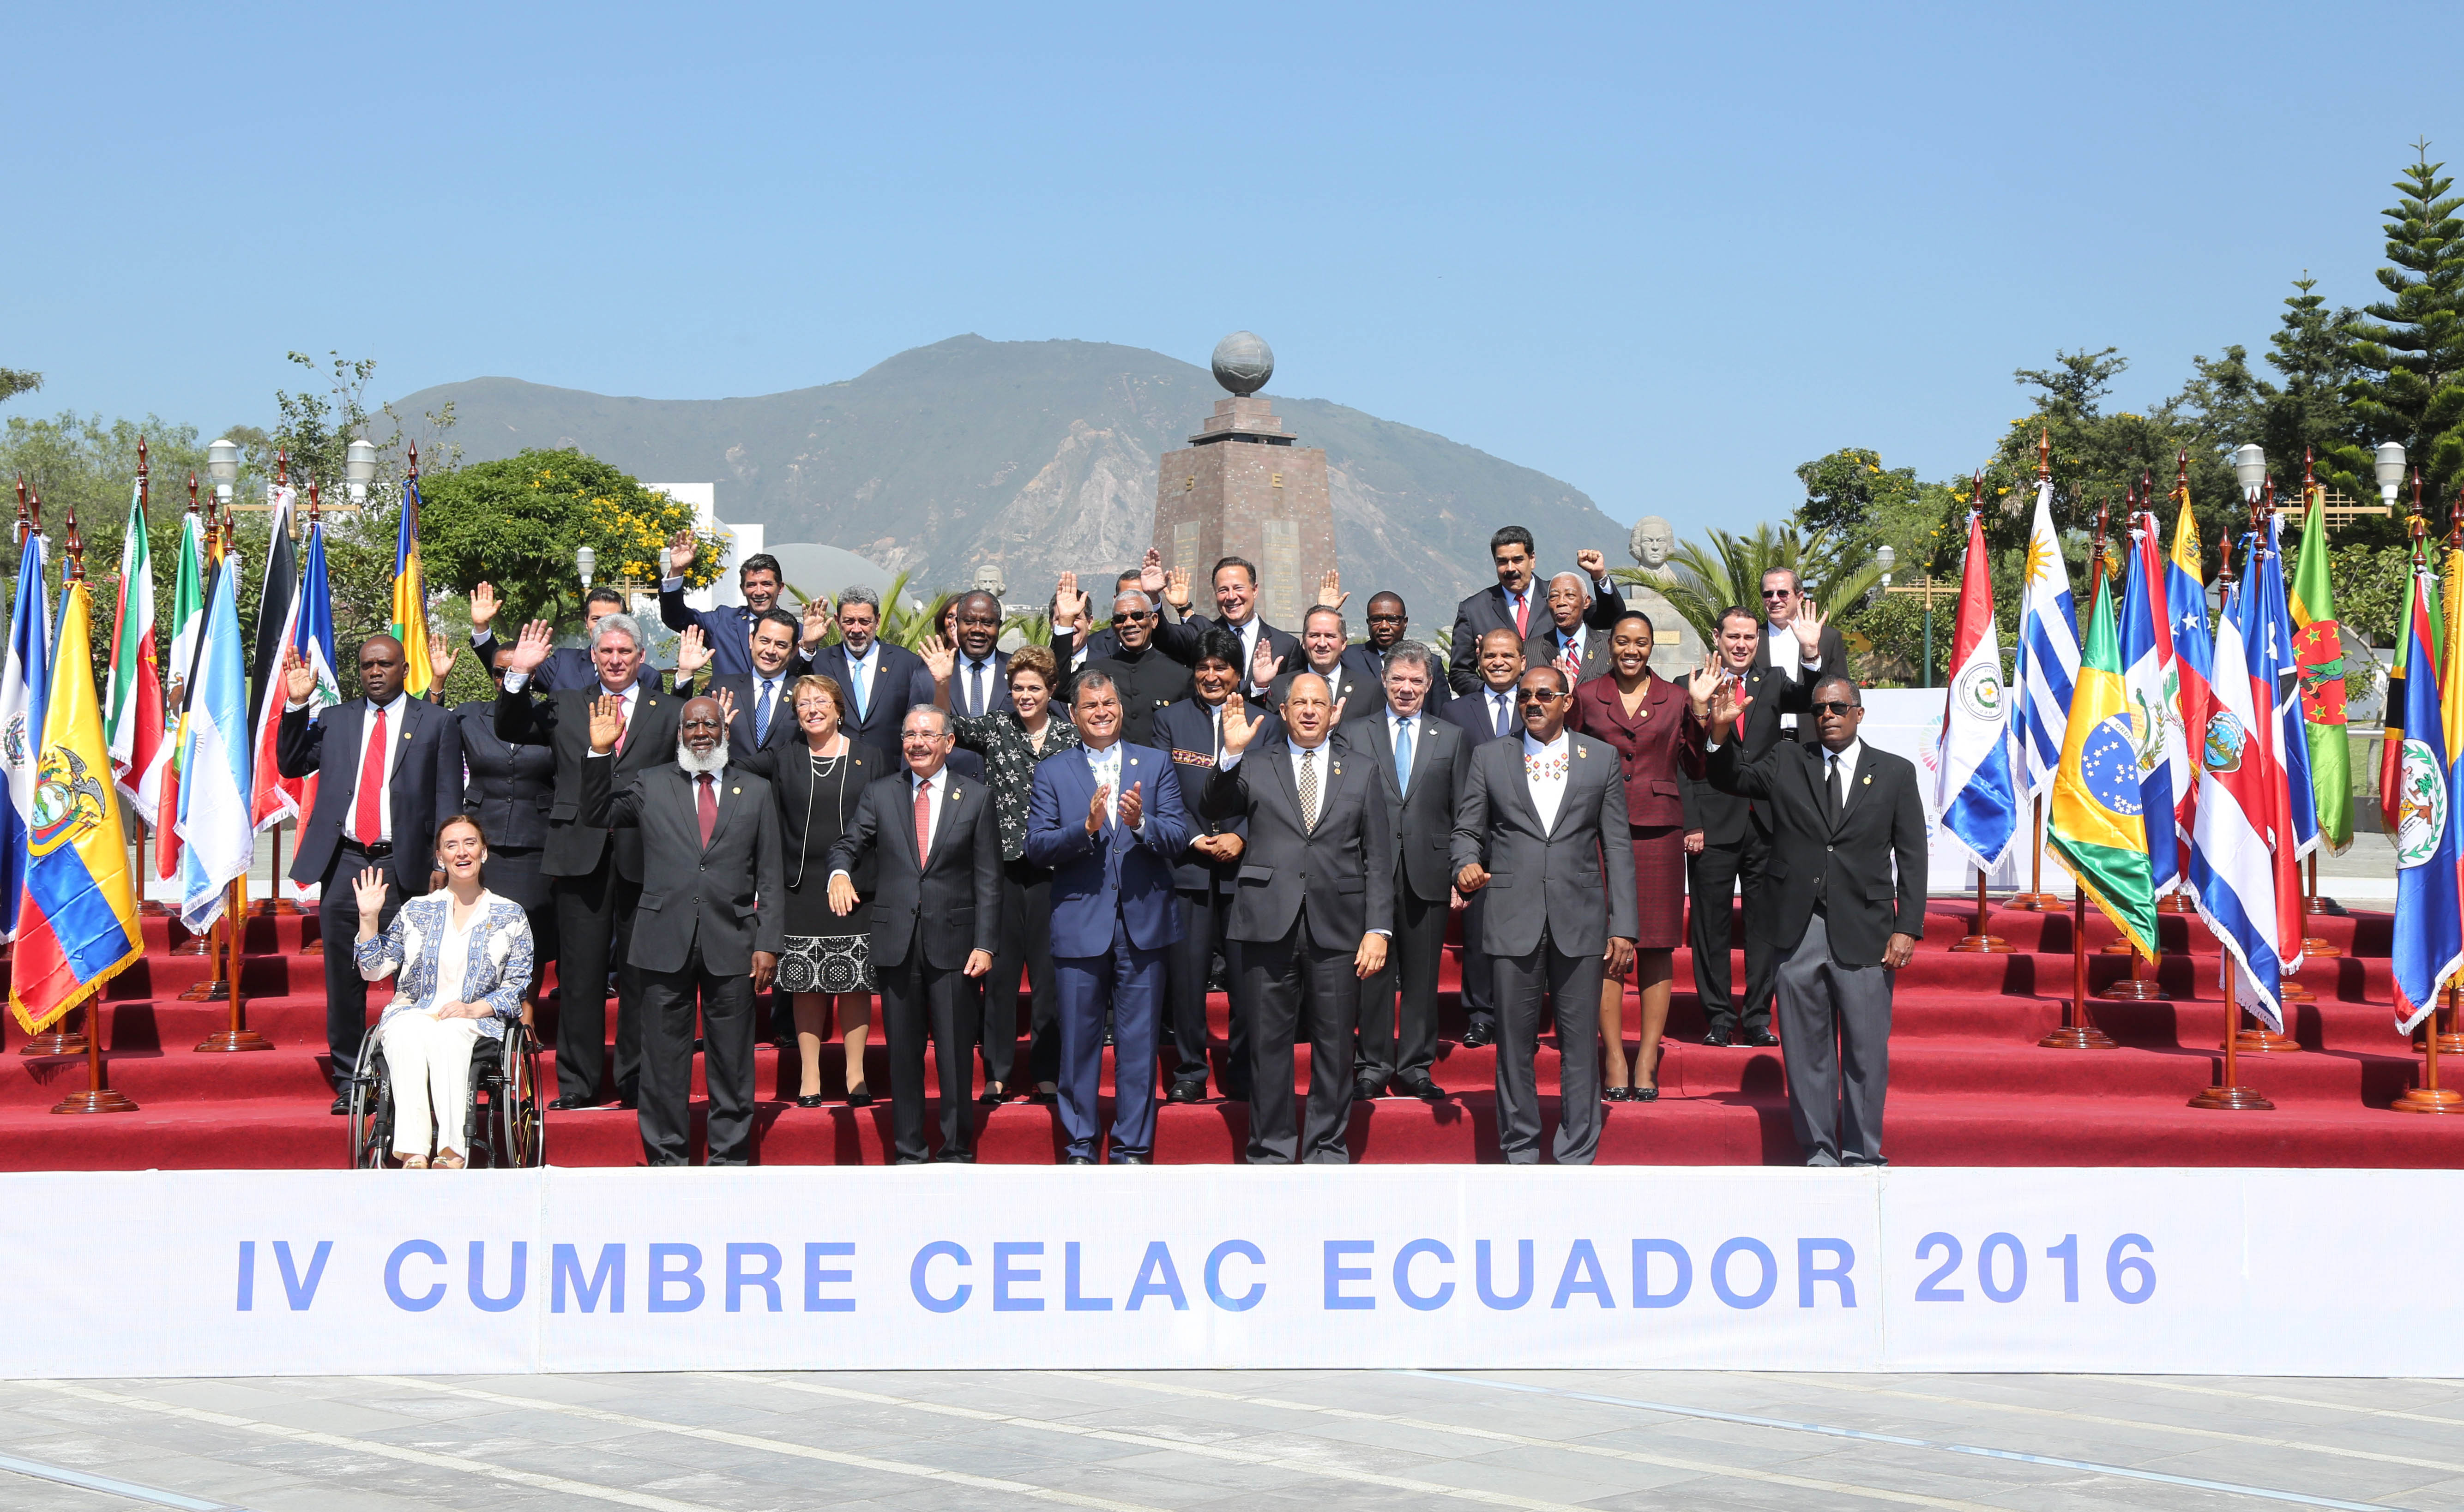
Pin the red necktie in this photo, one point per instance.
(923, 820)
(1522, 613)
(367, 809)
(708, 808)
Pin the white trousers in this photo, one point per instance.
(429, 1060)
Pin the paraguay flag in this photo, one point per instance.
(2240, 820)
(2096, 828)
(1973, 786)
(218, 838)
(2194, 655)
(2429, 929)
(410, 595)
(25, 689)
(2155, 692)
(76, 914)
(2048, 652)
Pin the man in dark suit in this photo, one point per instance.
(1798, 649)
(764, 716)
(1488, 712)
(882, 681)
(1420, 762)
(1107, 823)
(1349, 672)
(935, 923)
(1192, 731)
(1236, 602)
(595, 872)
(1842, 814)
(568, 666)
(1143, 677)
(1541, 821)
(391, 771)
(1570, 642)
(1727, 850)
(1389, 621)
(980, 679)
(710, 928)
(1508, 604)
(730, 626)
(1311, 917)
(1174, 635)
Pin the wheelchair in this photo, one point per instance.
(501, 1125)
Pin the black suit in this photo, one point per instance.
(509, 788)
(1179, 641)
(899, 683)
(1403, 1043)
(1488, 610)
(567, 667)
(1307, 894)
(1470, 713)
(1204, 891)
(423, 786)
(595, 874)
(927, 914)
(995, 678)
(743, 738)
(1835, 906)
(1543, 649)
(1357, 687)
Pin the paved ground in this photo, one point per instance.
(1252, 1441)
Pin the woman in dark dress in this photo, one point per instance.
(1011, 744)
(1649, 720)
(828, 965)
(508, 788)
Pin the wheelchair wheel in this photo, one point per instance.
(520, 1132)
(370, 1124)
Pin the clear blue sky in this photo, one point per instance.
(1661, 254)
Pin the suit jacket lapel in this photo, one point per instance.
(1857, 786)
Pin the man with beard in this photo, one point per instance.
(709, 929)
(1506, 605)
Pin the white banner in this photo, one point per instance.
(277, 1272)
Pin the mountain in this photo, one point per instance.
(1041, 456)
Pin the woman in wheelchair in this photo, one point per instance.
(465, 956)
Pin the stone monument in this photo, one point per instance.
(1241, 488)
(1676, 647)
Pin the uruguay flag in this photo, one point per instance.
(2155, 693)
(2429, 929)
(2048, 652)
(25, 694)
(218, 838)
(2240, 817)
(1973, 788)
(2194, 654)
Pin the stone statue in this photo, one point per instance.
(1651, 545)
(1242, 364)
(989, 580)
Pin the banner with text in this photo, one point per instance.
(2174, 1271)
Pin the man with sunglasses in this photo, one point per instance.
(1146, 678)
(1542, 822)
(1841, 814)
(1799, 648)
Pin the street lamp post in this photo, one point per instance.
(359, 470)
(222, 465)
(2389, 468)
(2250, 468)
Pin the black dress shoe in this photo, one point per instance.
(808, 1100)
(993, 1097)
(1420, 1087)
(1719, 1036)
(1478, 1035)
(1762, 1040)
(1368, 1089)
(1190, 1091)
(570, 1105)
(1134, 1160)
(861, 1097)
(955, 1157)
(909, 1160)
(342, 1103)
(1077, 1160)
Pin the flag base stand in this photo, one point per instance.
(2177, 900)
(2259, 1040)
(2079, 1037)
(2133, 990)
(2077, 1032)
(2429, 1099)
(225, 1041)
(1980, 941)
(207, 992)
(2033, 902)
(153, 910)
(2231, 1099)
(55, 1042)
(106, 1101)
(2289, 991)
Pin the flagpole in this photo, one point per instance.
(2178, 899)
(2312, 945)
(2036, 898)
(137, 847)
(2259, 1039)
(2140, 986)
(58, 1040)
(222, 940)
(1980, 940)
(2078, 1031)
(2228, 1095)
(193, 944)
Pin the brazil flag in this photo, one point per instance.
(2096, 828)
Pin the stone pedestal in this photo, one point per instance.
(1676, 650)
(1241, 488)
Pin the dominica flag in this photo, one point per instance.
(2318, 651)
(410, 596)
(2097, 829)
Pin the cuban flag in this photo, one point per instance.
(25, 694)
(2048, 652)
(1975, 791)
(2149, 679)
(2240, 817)
(2283, 665)
(2429, 929)
(2194, 653)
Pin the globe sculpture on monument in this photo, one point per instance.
(1241, 488)
(1676, 647)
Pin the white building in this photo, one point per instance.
(743, 541)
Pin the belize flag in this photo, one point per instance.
(2194, 653)
(25, 692)
(2155, 690)
(76, 914)
(1974, 790)
(2241, 821)
(2048, 652)
(2429, 929)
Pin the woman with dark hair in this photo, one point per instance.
(1011, 743)
(1649, 720)
(508, 787)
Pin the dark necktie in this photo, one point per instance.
(1498, 704)
(1839, 781)
(976, 691)
(762, 713)
(707, 806)
(1308, 791)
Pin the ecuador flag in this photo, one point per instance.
(77, 917)
(410, 596)
(2096, 829)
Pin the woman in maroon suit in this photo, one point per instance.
(1648, 719)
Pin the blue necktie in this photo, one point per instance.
(855, 686)
(1498, 702)
(1403, 756)
(761, 714)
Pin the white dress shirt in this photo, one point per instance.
(1106, 767)
(1318, 757)
(966, 675)
(1395, 724)
(1544, 770)
(1846, 762)
(1492, 699)
(860, 669)
(1790, 658)
(778, 687)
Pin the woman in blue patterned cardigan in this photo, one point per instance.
(465, 957)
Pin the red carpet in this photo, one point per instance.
(1969, 1085)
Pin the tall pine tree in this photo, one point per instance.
(2408, 351)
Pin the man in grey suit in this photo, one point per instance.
(1570, 642)
(1311, 916)
(1421, 762)
(1541, 821)
(1841, 814)
(710, 924)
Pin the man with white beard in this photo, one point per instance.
(708, 927)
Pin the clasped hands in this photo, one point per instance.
(1132, 807)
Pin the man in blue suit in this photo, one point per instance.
(1107, 821)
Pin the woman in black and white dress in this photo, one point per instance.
(828, 965)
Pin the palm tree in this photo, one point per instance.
(1724, 569)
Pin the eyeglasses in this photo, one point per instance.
(1540, 695)
(1136, 614)
(1834, 707)
(1777, 593)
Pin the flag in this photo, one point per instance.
(2047, 651)
(2153, 686)
(2318, 651)
(1973, 789)
(187, 621)
(2096, 828)
(132, 709)
(76, 915)
(312, 638)
(218, 839)
(275, 797)
(2450, 655)
(2194, 658)
(25, 694)
(2274, 631)
(2242, 893)
(410, 596)
(2429, 929)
